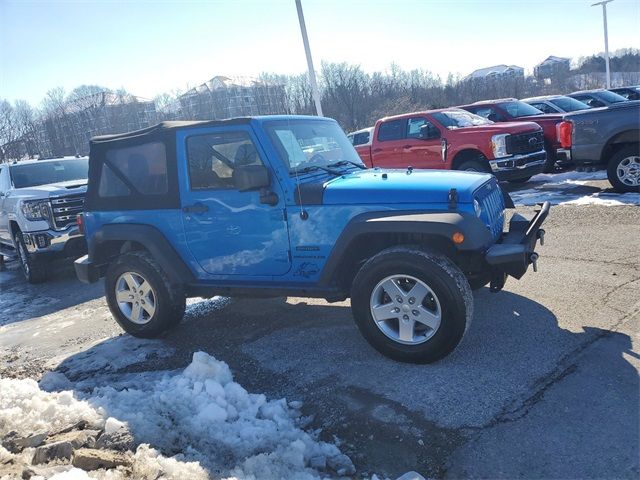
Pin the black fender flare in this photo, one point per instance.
(152, 239)
(444, 224)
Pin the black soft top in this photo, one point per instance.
(161, 129)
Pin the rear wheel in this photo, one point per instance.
(623, 170)
(550, 163)
(140, 296)
(412, 305)
(34, 270)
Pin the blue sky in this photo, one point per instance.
(149, 47)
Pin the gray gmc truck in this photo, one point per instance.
(606, 138)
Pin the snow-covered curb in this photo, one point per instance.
(200, 415)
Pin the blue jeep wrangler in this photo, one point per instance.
(282, 206)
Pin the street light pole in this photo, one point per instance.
(606, 38)
(307, 51)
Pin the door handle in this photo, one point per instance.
(376, 150)
(407, 146)
(195, 208)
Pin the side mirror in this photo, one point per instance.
(493, 117)
(251, 177)
(597, 103)
(428, 132)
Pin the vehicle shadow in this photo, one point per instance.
(20, 300)
(514, 353)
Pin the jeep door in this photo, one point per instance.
(230, 232)
(420, 152)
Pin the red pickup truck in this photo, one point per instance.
(512, 110)
(455, 139)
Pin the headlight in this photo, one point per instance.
(499, 145)
(477, 207)
(35, 209)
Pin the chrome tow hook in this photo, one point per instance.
(540, 236)
(534, 261)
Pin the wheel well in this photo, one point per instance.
(367, 245)
(622, 139)
(464, 155)
(112, 248)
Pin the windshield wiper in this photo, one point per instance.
(343, 162)
(319, 167)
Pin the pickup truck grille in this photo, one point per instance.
(525, 142)
(65, 209)
(492, 202)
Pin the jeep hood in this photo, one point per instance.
(420, 186)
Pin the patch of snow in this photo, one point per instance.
(201, 307)
(214, 420)
(200, 415)
(52, 381)
(569, 176)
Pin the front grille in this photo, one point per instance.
(65, 209)
(525, 143)
(492, 203)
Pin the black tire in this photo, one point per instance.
(614, 169)
(169, 301)
(34, 271)
(550, 163)
(520, 180)
(474, 166)
(444, 279)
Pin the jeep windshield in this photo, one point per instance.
(45, 172)
(459, 119)
(312, 144)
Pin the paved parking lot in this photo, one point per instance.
(545, 384)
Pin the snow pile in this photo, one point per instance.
(26, 409)
(570, 188)
(203, 413)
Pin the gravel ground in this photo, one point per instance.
(545, 383)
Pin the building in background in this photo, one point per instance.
(497, 72)
(67, 130)
(225, 97)
(552, 68)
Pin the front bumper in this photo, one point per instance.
(516, 249)
(68, 243)
(518, 166)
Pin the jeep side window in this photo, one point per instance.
(143, 167)
(212, 158)
(393, 130)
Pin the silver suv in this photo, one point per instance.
(39, 201)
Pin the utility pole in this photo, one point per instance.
(307, 51)
(606, 38)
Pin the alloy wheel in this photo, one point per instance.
(136, 298)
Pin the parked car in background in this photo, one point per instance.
(39, 201)
(513, 110)
(607, 138)
(455, 139)
(598, 98)
(556, 104)
(238, 207)
(361, 137)
(630, 93)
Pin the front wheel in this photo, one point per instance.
(623, 170)
(412, 305)
(34, 270)
(520, 180)
(140, 296)
(475, 166)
